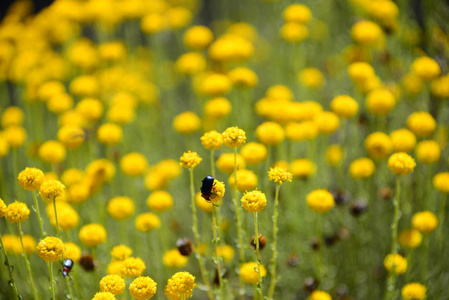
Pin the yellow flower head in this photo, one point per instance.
(179, 286)
(279, 175)
(380, 102)
(254, 201)
(60, 103)
(113, 284)
(120, 252)
(68, 218)
(395, 263)
(212, 140)
(143, 288)
(320, 201)
(190, 160)
(71, 136)
(270, 133)
(254, 153)
(217, 108)
(120, 208)
(334, 154)
(319, 295)
(109, 134)
(160, 201)
(403, 140)
(133, 164)
(51, 189)
(227, 252)
(173, 259)
(424, 221)
(215, 84)
(367, 33)
(147, 221)
(50, 249)
(312, 78)
(186, 123)
(401, 163)
(297, 13)
(243, 77)
(115, 268)
(441, 182)
(52, 152)
(104, 296)
(362, 168)
(414, 291)
(246, 180)
(92, 234)
(225, 162)
(410, 238)
(191, 63)
(426, 68)
(293, 32)
(234, 137)
(344, 106)
(249, 272)
(17, 212)
(361, 72)
(327, 122)
(12, 116)
(218, 191)
(90, 109)
(3, 208)
(198, 37)
(133, 267)
(72, 251)
(101, 170)
(428, 152)
(378, 145)
(203, 204)
(421, 123)
(15, 136)
(303, 168)
(440, 87)
(31, 179)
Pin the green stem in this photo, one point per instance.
(27, 263)
(426, 243)
(259, 284)
(10, 269)
(58, 230)
(212, 162)
(39, 218)
(274, 245)
(52, 284)
(239, 226)
(216, 242)
(441, 218)
(320, 269)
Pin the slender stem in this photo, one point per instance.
(52, 284)
(319, 225)
(212, 162)
(274, 245)
(39, 218)
(216, 242)
(239, 226)
(259, 284)
(58, 230)
(426, 241)
(391, 281)
(441, 218)
(27, 263)
(197, 238)
(10, 269)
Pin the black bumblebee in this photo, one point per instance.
(206, 188)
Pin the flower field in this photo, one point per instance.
(256, 149)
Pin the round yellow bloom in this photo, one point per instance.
(72, 251)
(367, 33)
(115, 268)
(279, 175)
(378, 145)
(51, 189)
(320, 200)
(227, 252)
(234, 137)
(279, 92)
(441, 182)
(428, 152)
(380, 102)
(225, 162)
(12, 116)
(421, 123)
(17, 212)
(147, 221)
(410, 238)
(2, 208)
(15, 136)
(102, 170)
(71, 136)
(440, 87)
(92, 234)
(334, 154)
(412, 83)
(68, 218)
(414, 291)
(302, 168)
(203, 204)
(180, 286)
(246, 180)
(212, 140)
(217, 192)
(71, 118)
(395, 263)
(113, 284)
(190, 160)
(142, 288)
(344, 106)
(91, 109)
(327, 122)
(362, 168)
(191, 63)
(249, 274)
(173, 259)
(254, 201)
(121, 114)
(52, 152)
(426, 68)
(133, 267)
(361, 72)
(311, 78)
(254, 153)
(153, 23)
(306, 130)
(401, 163)
(85, 86)
(297, 13)
(319, 295)
(50, 249)
(270, 133)
(243, 77)
(294, 32)
(120, 208)
(215, 84)
(4, 146)
(133, 164)
(79, 192)
(198, 37)
(160, 201)
(104, 296)
(120, 252)
(403, 140)
(109, 134)
(31, 179)
(112, 51)
(424, 221)
(217, 108)
(72, 176)
(186, 123)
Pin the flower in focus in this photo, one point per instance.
(31, 179)
(51, 189)
(401, 163)
(212, 140)
(234, 137)
(50, 249)
(254, 201)
(133, 267)
(180, 286)
(143, 288)
(249, 274)
(279, 175)
(17, 212)
(190, 160)
(113, 284)
(104, 296)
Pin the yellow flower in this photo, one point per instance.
(191, 63)
(143, 288)
(367, 33)
(311, 78)
(85, 86)
(121, 114)
(279, 92)
(113, 284)
(426, 68)
(428, 152)
(254, 201)
(362, 168)
(12, 243)
(212, 140)
(12, 116)
(133, 164)
(302, 168)
(234, 137)
(218, 191)
(115, 268)
(320, 200)
(109, 134)
(246, 180)
(279, 175)
(424, 221)
(378, 145)
(104, 296)
(3, 208)
(410, 238)
(401, 163)
(120, 208)
(412, 83)
(17, 212)
(120, 252)
(225, 162)
(71, 137)
(186, 123)
(421, 123)
(180, 286)
(380, 102)
(249, 272)
(51, 189)
(190, 160)
(112, 51)
(92, 234)
(217, 108)
(254, 153)
(440, 87)
(153, 23)
(414, 291)
(327, 122)
(29, 243)
(50, 249)
(133, 267)
(441, 182)
(90, 109)
(173, 259)
(215, 84)
(202, 203)
(72, 251)
(4, 146)
(147, 221)
(344, 106)
(306, 130)
(15, 136)
(226, 251)
(68, 218)
(243, 77)
(403, 140)
(101, 170)
(297, 13)
(160, 201)
(334, 154)
(293, 32)
(270, 133)
(31, 179)
(361, 72)
(319, 295)
(178, 17)
(395, 263)
(52, 152)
